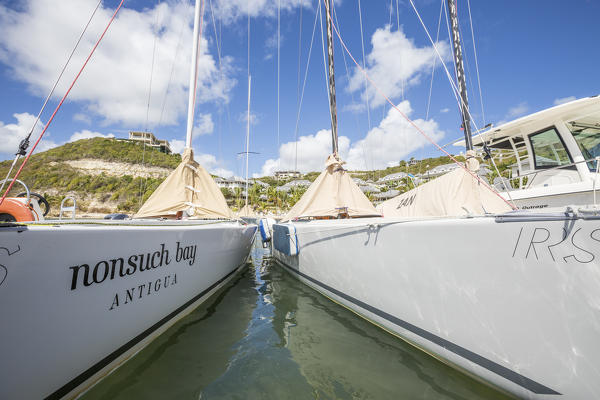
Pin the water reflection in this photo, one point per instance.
(268, 336)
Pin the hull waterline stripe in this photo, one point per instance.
(74, 383)
(490, 365)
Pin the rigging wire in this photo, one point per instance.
(437, 37)
(324, 58)
(278, 73)
(476, 63)
(362, 45)
(61, 101)
(25, 142)
(304, 83)
(219, 44)
(412, 123)
(164, 102)
(351, 93)
(298, 95)
(248, 117)
(448, 75)
(146, 125)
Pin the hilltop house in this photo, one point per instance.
(287, 174)
(150, 140)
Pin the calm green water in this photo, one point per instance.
(267, 336)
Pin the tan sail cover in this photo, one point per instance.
(188, 188)
(331, 194)
(456, 193)
(247, 212)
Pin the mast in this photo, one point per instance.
(193, 73)
(248, 137)
(332, 104)
(460, 74)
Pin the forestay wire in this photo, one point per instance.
(25, 142)
(61, 102)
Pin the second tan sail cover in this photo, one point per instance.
(333, 193)
(188, 188)
(456, 193)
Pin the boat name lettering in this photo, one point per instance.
(143, 290)
(406, 202)
(570, 245)
(120, 267)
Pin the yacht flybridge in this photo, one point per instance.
(555, 152)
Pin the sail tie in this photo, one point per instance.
(193, 189)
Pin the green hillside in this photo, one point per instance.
(56, 173)
(47, 173)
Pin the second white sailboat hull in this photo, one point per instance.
(511, 303)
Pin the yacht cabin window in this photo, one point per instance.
(586, 132)
(549, 151)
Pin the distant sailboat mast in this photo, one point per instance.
(460, 74)
(248, 138)
(194, 72)
(332, 104)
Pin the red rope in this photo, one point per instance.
(412, 123)
(61, 102)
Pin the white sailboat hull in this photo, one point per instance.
(524, 317)
(76, 300)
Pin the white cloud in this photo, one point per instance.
(211, 163)
(231, 10)
(393, 139)
(313, 150)
(85, 134)
(383, 146)
(35, 40)
(208, 161)
(394, 64)
(12, 134)
(80, 117)
(517, 110)
(254, 119)
(177, 146)
(204, 125)
(444, 110)
(563, 100)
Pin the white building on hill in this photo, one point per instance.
(150, 140)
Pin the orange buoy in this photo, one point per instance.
(12, 209)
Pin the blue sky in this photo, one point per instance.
(531, 55)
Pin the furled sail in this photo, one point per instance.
(456, 193)
(332, 194)
(190, 189)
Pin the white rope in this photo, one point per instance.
(193, 189)
(193, 205)
(191, 167)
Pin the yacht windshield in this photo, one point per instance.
(548, 149)
(586, 132)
